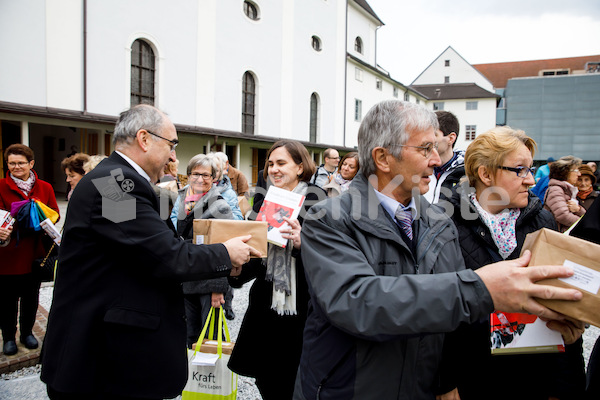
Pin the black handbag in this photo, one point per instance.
(44, 268)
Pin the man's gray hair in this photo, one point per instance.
(389, 124)
(142, 116)
(203, 160)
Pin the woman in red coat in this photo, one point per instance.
(16, 278)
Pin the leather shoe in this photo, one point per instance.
(229, 314)
(10, 348)
(29, 341)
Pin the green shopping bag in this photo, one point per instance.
(209, 378)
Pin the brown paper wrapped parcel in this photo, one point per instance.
(210, 231)
(552, 248)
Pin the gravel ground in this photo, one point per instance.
(246, 388)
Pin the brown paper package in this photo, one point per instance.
(552, 248)
(221, 230)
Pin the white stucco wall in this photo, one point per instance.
(459, 71)
(23, 49)
(484, 117)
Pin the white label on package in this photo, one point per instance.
(584, 278)
(199, 239)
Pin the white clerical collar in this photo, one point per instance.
(391, 205)
(135, 166)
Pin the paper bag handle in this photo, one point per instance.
(210, 322)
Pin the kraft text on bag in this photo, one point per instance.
(208, 374)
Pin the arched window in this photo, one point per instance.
(316, 43)
(251, 10)
(143, 73)
(314, 118)
(248, 103)
(358, 45)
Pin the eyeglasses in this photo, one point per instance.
(173, 142)
(197, 175)
(521, 172)
(427, 148)
(19, 164)
(574, 170)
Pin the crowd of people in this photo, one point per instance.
(384, 290)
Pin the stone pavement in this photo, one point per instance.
(25, 357)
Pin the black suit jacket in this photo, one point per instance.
(117, 319)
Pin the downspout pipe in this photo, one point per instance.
(84, 57)
(345, 74)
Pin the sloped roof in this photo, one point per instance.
(367, 8)
(500, 73)
(454, 91)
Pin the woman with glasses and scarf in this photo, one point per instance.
(200, 200)
(18, 283)
(269, 343)
(493, 213)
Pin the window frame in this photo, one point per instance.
(358, 45)
(137, 73)
(313, 129)
(472, 105)
(470, 132)
(357, 110)
(249, 103)
(251, 10)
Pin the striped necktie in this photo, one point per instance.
(404, 218)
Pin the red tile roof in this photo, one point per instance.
(500, 73)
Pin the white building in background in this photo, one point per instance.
(452, 84)
(233, 75)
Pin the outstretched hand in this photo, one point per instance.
(513, 288)
(240, 252)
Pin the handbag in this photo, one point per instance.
(45, 268)
(208, 374)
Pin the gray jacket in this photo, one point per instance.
(378, 312)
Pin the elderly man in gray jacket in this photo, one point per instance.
(386, 274)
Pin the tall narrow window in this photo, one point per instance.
(446, 79)
(357, 109)
(358, 45)
(142, 73)
(314, 118)
(406, 96)
(248, 103)
(446, 63)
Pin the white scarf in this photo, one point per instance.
(281, 270)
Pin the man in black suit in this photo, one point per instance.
(116, 328)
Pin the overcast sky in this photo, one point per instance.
(482, 31)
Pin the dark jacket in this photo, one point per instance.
(117, 324)
(589, 200)
(468, 362)
(378, 311)
(268, 345)
(210, 206)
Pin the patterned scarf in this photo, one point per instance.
(281, 270)
(190, 199)
(501, 226)
(344, 183)
(25, 186)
